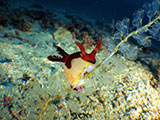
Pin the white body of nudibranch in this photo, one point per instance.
(75, 75)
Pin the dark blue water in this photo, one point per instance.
(103, 10)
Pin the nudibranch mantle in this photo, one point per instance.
(76, 64)
(75, 75)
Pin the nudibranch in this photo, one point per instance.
(76, 64)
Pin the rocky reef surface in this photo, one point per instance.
(32, 87)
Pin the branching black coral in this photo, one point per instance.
(141, 32)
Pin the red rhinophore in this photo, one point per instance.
(66, 58)
(89, 57)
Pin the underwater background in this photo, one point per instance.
(125, 83)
